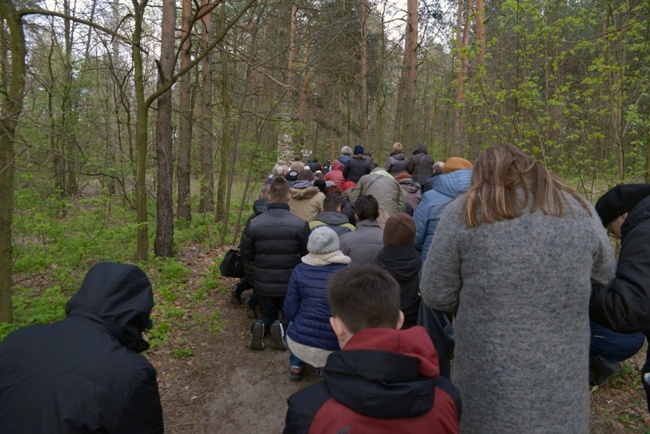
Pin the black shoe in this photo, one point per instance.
(277, 336)
(235, 294)
(250, 308)
(257, 336)
(295, 373)
(603, 370)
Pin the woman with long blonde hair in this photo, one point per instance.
(514, 258)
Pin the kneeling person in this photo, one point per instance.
(385, 379)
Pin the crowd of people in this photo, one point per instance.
(342, 260)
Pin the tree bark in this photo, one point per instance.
(164, 243)
(12, 86)
(363, 103)
(206, 203)
(411, 75)
(142, 118)
(185, 119)
(293, 51)
(461, 64)
(225, 135)
(305, 71)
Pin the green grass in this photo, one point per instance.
(56, 240)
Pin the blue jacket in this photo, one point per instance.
(306, 306)
(446, 188)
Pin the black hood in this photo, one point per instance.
(637, 215)
(420, 149)
(404, 262)
(260, 205)
(118, 297)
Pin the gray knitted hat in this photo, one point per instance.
(323, 240)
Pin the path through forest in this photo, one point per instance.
(228, 388)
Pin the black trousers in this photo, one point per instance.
(270, 308)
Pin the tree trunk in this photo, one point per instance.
(460, 97)
(293, 51)
(164, 243)
(206, 203)
(142, 118)
(12, 56)
(410, 70)
(185, 119)
(305, 72)
(225, 135)
(363, 103)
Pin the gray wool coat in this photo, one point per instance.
(521, 291)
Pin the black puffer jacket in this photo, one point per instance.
(83, 374)
(274, 241)
(356, 168)
(403, 263)
(259, 206)
(624, 305)
(420, 165)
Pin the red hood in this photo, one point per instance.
(414, 342)
(337, 165)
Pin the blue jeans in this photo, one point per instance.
(293, 360)
(613, 346)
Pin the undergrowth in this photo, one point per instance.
(56, 241)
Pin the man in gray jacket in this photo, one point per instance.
(363, 245)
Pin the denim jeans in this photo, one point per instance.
(293, 360)
(613, 346)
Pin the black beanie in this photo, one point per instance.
(620, 200)
(399, 230)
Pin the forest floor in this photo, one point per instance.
(218, 385)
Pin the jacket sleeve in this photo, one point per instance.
(303, 408)
(247, 244)
(356, 192)
(346, 170)
(421, 221)
(441, 281)
(410, 166)
(623, 305)
(306, 231)
(401, 201)
(143, 414)
(292, 298)
(389, 164)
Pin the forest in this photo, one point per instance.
(141, 130)
(163, 116)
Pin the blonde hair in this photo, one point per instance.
(397, 147)
(499, 176)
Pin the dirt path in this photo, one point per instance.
(226, 387)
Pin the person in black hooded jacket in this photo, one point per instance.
(624, 304)
(403, 262)
(83, 374)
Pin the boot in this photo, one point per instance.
(235, 294)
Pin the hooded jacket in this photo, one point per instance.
(259, 206)
(382, 187)
(83, 374)
(338, 222)
(306, 200)
(446, 188)
(396, 163)
(624, 305)
(412, 192)
(336, 174)
(404, 263)
(384, 380)
(420, 165)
